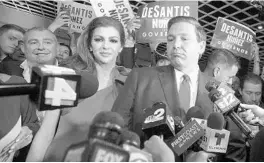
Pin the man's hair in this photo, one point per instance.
(200, 33)
(70, 51)
(7, 27)
(252, 78)
(223, 57)
(38, 29)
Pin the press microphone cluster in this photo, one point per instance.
(53, 87)
(223, 97)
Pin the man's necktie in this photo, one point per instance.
(185, 93)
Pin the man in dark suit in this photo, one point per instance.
(176, 84)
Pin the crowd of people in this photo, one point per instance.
(104, 49)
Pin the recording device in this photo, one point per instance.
(158, 121)
(54, 87)
(130, 142)
(103, 141)
(190, 132)
(227, 104)
(216, 138)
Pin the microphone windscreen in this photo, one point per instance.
(89, 84)
(108, 117)
(256, 153)
(195, 112)
(216, 121)
(212, 84)
(129, 136)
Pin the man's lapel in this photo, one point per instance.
(168, 83)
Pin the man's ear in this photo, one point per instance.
(240, 91)
(216, 71)
(23, 48)
(202, 45)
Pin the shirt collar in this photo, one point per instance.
(192, 75)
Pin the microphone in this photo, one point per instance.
(190, 133)
(54, 87)
(216, 138)
(256, 153)
(103, 141)
(198, 114)
(158, 121)
(226, 102)
(130, 141)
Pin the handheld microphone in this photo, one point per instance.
(158, 121)
(198, 114)
(216, 138)
(103, 141)
(54, 87)
(226, 102)
(190, 133)
(130, 141)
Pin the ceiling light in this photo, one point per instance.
(260, 27)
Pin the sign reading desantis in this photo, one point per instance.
(118, 9)
(80, 14)
(155, 16)
(234, 37)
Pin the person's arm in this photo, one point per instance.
(255, 53)
(29, 116)
(159, 150)
(61, 19)
(125, 101)
(44, 136)
(73, 44)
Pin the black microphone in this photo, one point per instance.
(103, 141)
(195, 112)
(130, 141)
(158, 121)
(226, 102)
(54, 87)
(256, 150)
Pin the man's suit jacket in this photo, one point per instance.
(146, 86)
(11, 67)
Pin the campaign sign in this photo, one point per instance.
(155, 16)
(235, 37)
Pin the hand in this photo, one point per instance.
(5, 153)
(61, 19)
(23, 139)
(159, 150)
(254, 114)
(255, 51)
(133, 25)
(200, 156)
